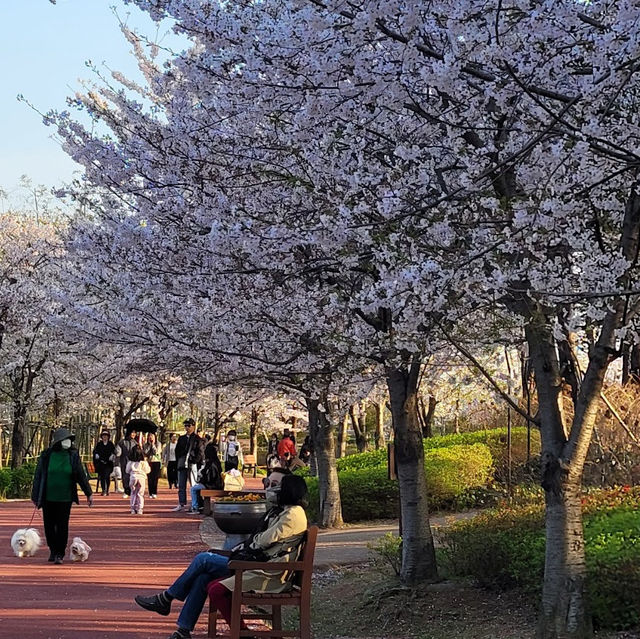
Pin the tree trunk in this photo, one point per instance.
(342, 436)
(380, 442)
(418, 553)
(323, 438)
(564, 611)
(456, 419)
(426, 415)
(17, 436)
(634, 364)
(359, 429)
(253, 431)
(123, 414)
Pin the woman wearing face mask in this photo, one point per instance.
(278, 535)
(232, 452)
(58, 473)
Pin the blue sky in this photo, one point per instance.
(43, 48)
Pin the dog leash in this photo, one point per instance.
(35, 510)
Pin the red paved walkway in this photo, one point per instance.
(94, 600)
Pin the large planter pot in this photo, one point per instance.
(238, 518)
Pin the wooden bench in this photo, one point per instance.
(299, 595)
(249, 464)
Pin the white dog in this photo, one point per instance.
(25, 542)
(79, 550)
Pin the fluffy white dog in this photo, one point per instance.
(25, 542)
(79, 550)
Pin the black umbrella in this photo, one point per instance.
(141, 426)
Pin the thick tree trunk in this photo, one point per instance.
(342, 436)
(564, 611)
(380, 442)
(418, 553)
(323, 438)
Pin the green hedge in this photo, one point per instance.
(366, 493)
(16, 484)
(495, 439)
(506, 547)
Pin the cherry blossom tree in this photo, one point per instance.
(385, 171)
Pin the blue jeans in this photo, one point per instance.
(191, 585)
(195, 492)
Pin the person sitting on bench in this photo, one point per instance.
(210, 477)
(285, 520)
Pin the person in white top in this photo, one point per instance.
(169, 460)
(232, 452)
(137, 469)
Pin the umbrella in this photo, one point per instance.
(141, 426)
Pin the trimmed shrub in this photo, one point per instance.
(505, 547)
(5, 482)
(370, 459)
(367, 493)
(16, 483)
(495, 439)
(453, 470)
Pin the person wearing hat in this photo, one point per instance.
(189, 456)
(103, 456)
(57, 475)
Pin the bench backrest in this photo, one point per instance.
(302, 578)
(249, 460)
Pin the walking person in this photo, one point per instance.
(116, 474)
(279, 535)
(153, 456)
(126, 445)
(55, 488)
(232, 452)
(169, 460)
(137, 469)
(189, 458)
(103, 456)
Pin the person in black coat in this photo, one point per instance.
(103, 456)
(57, 475)
(189, 459)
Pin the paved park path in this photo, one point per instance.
(131, 554)
(94, 600)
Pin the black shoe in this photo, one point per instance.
(52, 557)
(155, 603)
(57, 560)
(180, 634)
